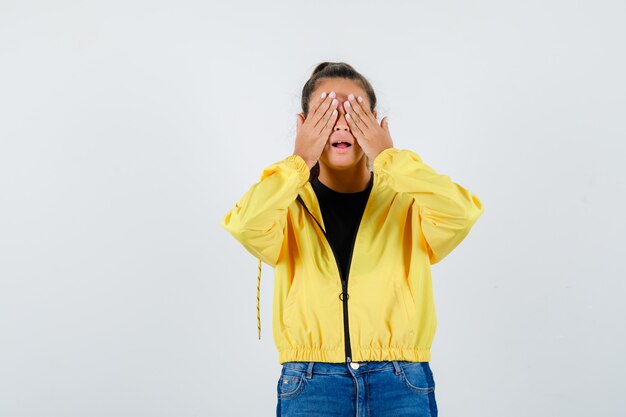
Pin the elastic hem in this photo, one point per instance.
(364, 354)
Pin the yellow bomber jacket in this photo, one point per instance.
(384, 310)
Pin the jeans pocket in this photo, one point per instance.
(418, 377)
(290, 384)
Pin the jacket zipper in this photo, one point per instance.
(344, 296)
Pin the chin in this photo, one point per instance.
(340, 161)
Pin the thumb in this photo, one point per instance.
(385, 123)
(299, 121)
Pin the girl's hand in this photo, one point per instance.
(313, 133)
(372, 137)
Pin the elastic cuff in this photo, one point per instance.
(300, 165)
(383, 157)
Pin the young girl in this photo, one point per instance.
(351, 225)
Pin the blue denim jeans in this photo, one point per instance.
(363, 389)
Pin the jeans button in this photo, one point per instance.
(354, 365)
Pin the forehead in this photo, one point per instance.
(341, 86)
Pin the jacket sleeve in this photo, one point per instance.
(258, 218)
(447, 210)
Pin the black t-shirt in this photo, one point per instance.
(342, 214)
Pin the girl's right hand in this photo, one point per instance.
(314, 131)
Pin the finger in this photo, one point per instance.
(359, 113)
(354, 117)
(371, 116)
(354, 128)
(325, 133)
(327, 117)
(385, 123)
(322, 104)
(299, 121)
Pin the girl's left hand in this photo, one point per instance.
(372, 137)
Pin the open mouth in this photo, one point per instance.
(341, 145)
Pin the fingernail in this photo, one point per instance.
(332, 94)
(324, 94)
(360, 99)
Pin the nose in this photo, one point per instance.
(341, 123)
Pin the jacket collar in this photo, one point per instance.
(308, 196)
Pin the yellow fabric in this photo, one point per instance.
(413, 219)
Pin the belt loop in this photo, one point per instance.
(396, 367)
(309, 370)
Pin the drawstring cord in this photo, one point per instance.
(258, 301)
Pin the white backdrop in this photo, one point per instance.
(129, 128)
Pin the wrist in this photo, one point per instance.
(310, 164)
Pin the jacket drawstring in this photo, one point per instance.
(258, 300)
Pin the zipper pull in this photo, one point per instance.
(348, 359)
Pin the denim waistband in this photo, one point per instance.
(344, 368)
